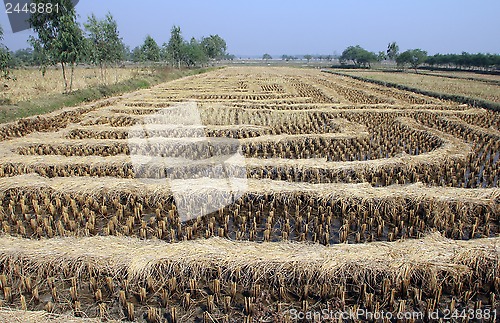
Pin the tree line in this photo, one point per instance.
(60, 40)
(415, 58)
(178, 52)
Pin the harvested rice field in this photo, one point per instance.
(252, 194)
(482, 87)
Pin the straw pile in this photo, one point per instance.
(427, 268)
(17, 316)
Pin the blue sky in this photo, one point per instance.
(254, 27)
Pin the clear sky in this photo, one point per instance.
(254, 27)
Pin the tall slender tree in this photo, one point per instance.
(106, 47)
(175, 46)
(4, 58)
(150, 50)
(58, 37)
(392, 50)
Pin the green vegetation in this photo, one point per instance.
(178, 52)
(392, 51)
(359, 56)
(465, 60)
(416, 58)
(412, 57)
(266, 57)
(148, 52)
(173, 50)
(105, 47)
(288, 58)
(214, 47)
(144, 79)
(58, 38)
(194, 53)
(5, 57)
(60, 41)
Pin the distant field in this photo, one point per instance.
(454, 86)
(32, 94)
(30, 83)
(465, 75)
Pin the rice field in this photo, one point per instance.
(488, 78)
(251, 194)
(458, 85)
(28, 84)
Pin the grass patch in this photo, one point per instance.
(143, 79)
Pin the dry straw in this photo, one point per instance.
(8, 315)
(258, 262)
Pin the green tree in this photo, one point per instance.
(308, 57)
(358, 55)
(174, 48)
(25, 57)
(106, 46)
(412, 57)
(288, 58)
(381, 56)
(150, 50)
(214, 47)
(266, 57)
(392, 51)
(193, 53)
(5, 58)
(58, 37)
(136, 55)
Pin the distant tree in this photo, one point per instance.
(193, 53)
(308, 57)
(150, 51)
(413, 57)
(288, 58)
(358, 55)
(58, 37)
(127, 53)
(465, 60)
(106, 47)
(137, 55)
(41, 59)
(392, 51)
(214, 46)
(381, 56)
(174, 48)
(24, 57)
(5, 57)
(179, 52)
(266, 57)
